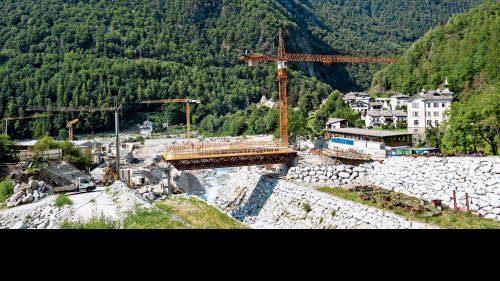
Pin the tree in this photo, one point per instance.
(297, 126)
(475, 117)
(8, 149)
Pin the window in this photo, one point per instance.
(429, 123)
(443, 104)
(428, 105)
(415, 122)
(415, 130)
(415, 105)
(436, 104)
(436, 113)
(436, 123)
(415, 114)
(429, 113)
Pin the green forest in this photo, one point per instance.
(466, 50)
(82, 52)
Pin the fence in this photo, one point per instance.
(47, 154)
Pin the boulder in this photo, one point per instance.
(495, 203)
(341, 168)
(28, 199)
(33, 184)
(19, 225)
(17, 188)
(41, 185)
(344, 175)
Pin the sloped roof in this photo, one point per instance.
(383, 99)
(333, 120)
(376, 103)
(434, 95)
(387, 113)
(399, 95)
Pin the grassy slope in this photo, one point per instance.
(459, 221)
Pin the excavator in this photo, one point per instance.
(111, 167)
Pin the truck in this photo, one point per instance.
(81, 183)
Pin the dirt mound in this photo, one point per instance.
(59, 172)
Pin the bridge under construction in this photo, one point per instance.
(193, 156)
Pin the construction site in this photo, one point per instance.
(253, 182)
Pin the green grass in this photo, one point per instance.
(100, 222)
(458, 221)
(152, 219)
(306, 207)
(63, 199)
(199, 214)
(6, 190)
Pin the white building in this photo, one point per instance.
(427, 108)
(399, 100)
(360, 106)
(147, 128)
(377, 118)
(376, 105)
(271, 103)
(353, 97)
(386, 102)
(336, 123)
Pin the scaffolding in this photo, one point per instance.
(206, 155)
(223, 149)
(347, 156)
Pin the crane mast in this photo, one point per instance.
(282, 60)
(188, 114)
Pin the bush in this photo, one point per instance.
(6, 190)
(62, 199)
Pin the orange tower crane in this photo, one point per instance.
(16, 118)
(283, 58)
(70, 126)
(188, 115)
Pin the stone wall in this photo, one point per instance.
(437, 178)
(262, 201)
(329, 175)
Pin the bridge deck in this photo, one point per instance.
(226, 154)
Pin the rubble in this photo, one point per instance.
(31, 192)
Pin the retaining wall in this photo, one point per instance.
(437, 178)
(249, 196)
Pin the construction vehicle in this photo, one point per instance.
(283, 58)
(92, 110)
(188, 115)
(111, 167)
(81, 183)
(70, 127)
(16, 118)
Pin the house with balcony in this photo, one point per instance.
(399, 100)
(353, 97)
(359, 106)
(386, 102)
(426, 109)
(376, 105)
(377, 118)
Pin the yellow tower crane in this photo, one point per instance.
(188, 115)
(70, 126)
(16, 118)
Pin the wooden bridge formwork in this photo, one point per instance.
(193, 156)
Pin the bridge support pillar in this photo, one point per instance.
(292, 162)
(166, 178)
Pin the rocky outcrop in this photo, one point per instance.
(262, 201)
(437, 178)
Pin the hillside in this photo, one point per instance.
(75, 53)
(466, 50)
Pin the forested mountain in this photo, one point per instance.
(466, 50)
(368, 28)
(79, 52)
